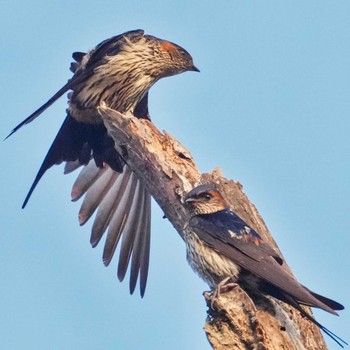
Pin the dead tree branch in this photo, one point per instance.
(169, 171)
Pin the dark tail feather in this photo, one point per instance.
(76, 141)
(38, 177)
(291, 301)
(329, 302)
(41, 109)
(333, 336)
(53, 156)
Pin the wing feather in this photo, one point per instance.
(253, 258)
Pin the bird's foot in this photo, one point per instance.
(222, 287)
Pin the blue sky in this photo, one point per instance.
(271, 107)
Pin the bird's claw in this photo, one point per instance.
(222, 287)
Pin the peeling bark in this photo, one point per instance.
(169, 171)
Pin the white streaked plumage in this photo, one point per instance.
(211, 266)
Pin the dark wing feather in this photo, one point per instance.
(78, 77)
(252, 257)
(62, 145)
(227, 224)
(141, 109)
(78, 56)
(46, 105)
(77, 141)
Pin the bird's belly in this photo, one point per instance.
(209, 265)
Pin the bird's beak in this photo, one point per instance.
(194, 69)
(189, 200)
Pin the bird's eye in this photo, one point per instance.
(208, 196)
(183, 53)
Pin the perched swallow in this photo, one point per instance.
(119, 71)
(221, 245)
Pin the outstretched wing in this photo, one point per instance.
(121, 199)
(123, 208)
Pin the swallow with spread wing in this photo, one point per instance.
(119, 71)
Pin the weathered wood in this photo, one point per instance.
(169, 171)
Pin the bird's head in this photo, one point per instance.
(149, 56)
(178, 59)
(168, 58)
(205, 199)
